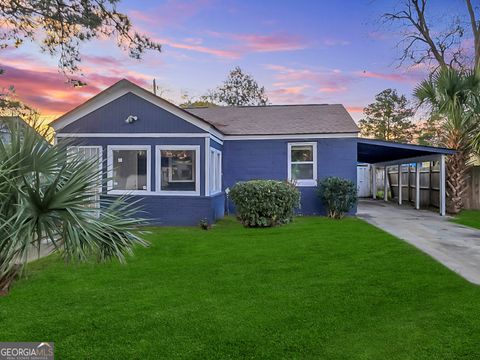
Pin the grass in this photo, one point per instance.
(314, 289)
(469, 218)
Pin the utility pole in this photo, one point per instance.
(154, 87)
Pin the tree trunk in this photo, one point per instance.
(457, 178)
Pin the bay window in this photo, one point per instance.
(302, 163)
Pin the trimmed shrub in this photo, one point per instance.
(264, 203)
(338, 196)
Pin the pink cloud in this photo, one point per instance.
(404, 77)
(231, 54)
(46, 90)
(292, 90)
(242, 44)
(270, 43)
(323, 80)
(170, 13)
(332, 89)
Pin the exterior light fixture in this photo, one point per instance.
(131, 119)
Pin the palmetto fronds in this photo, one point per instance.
(47, 194)
(454, 96)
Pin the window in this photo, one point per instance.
(302, 163)
(129, 169)
(215, 179)
(90, 153)
(178, 170)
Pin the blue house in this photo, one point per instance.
(179, 162)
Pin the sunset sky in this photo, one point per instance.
(301, 51)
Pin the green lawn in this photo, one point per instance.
(469, 218)
(314, 289)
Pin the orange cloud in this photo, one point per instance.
(355, 109)
(46, 90)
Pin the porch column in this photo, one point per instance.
(417, 185)
(374, 181)
(399, 184)
(442, 192)
(385, 184)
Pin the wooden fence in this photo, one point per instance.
(429, 183)
(472, 197)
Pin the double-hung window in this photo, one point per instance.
(178, 169)
(302, 163)
(215, 179)
(129, 169)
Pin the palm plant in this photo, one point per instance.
(47, 194)
(454, 96)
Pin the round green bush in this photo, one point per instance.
(264, 203)
(338, 195)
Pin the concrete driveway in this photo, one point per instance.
(455, 246)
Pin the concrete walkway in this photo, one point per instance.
(455, 246)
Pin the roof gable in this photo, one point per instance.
(112, 118)
(118, 90)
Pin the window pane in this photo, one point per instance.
(218, 174)
(302, 153)
(178, 170)
(212, 171)
(302, 171)
(130, 170)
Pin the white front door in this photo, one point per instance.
(363, 181)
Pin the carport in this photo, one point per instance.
(383, 154)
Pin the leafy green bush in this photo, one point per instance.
(264, 203)
(380, 194)
(338, 195)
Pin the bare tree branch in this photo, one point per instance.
(419, 45)
(59, 26)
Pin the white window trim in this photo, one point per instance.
(100, 164)
(158, 165)
(216, 153)
(98, 147)
(110, 149)
(302, 183)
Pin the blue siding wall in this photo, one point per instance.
(104, 142)
(111, 119)
(242, 160)
(160, 209)
(216, 145)
(180, 211)
(267, 159)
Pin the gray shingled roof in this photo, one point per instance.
(278, 119)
